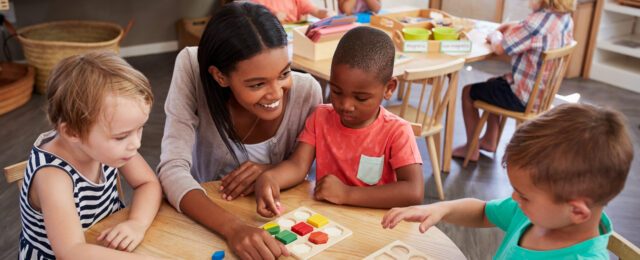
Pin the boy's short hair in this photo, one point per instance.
(368, 49)
(78, 85)
(560, 6)
(574, 151)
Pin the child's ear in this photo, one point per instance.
(63, 130)
(391, 86)
(580, 211)
(218, 76)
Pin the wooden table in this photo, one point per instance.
(479, 51)
(173, 235)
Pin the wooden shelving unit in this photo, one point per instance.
(616, 59)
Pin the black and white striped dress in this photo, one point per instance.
(93, 201)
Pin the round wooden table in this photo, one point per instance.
(174, 235)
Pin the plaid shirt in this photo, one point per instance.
(527, 40)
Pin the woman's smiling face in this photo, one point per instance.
(259, 83)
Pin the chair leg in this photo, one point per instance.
(437, 139)
(476, 138)
(503, 122)
(400, 94)
(433, 155)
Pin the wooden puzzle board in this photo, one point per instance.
(397, 250)
(302, 248)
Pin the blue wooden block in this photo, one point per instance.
(218, 255)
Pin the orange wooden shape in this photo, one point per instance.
(318, 238)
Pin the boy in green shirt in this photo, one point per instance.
(564, 166)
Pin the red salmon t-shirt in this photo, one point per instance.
(360, 157)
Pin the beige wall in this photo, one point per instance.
(154, 19)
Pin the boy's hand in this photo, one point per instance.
(125, 236)
(267, 197)
(240, 181)
(331, 188)
(428, 215)
(254, 243)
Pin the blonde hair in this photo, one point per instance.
(574, 151)
(78, 85)
(560, 6)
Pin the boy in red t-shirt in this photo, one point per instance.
(365, 155)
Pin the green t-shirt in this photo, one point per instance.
(507, 215)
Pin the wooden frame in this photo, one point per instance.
(426, 121)
(622, 248)
(554, 61)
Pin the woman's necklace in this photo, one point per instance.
(255, 123)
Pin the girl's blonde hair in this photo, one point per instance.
(560, 6)
(79, 84)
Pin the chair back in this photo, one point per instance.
(442, 82)
(550, 75)
(622, 248)
(15, 173)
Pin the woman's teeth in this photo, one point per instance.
(272, 105)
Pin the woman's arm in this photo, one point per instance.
(54, 191)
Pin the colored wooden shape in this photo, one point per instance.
(317, 220)
(301, 228)
(286, 237)
(318, 238)
(272, 228)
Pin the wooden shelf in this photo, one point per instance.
(620, 71)
(627, 45)
(623, 9)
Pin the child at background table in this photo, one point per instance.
(350, 7)
(564, 167)
(549, 27)
(98, 105)
(365, 155)
(292, 11)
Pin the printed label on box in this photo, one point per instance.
(416, 46)
(455, 46)
(386, 22)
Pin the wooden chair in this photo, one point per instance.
(332, 5)
(15, 173)
(554, 63)
(622, 248)
(426, 121)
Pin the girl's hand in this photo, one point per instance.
(125, 236)
(268, 197)
(331, 188)
(240, 181)
(428, 215)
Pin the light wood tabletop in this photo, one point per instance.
(173, 235)
(480, 50)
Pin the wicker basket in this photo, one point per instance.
(44, 45)
(16, 85)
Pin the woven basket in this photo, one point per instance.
(16, 85)
(44, 45)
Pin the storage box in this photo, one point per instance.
(304, 47)
(463, 44)
(190, 31)
(416, 18)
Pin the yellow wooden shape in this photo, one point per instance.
(317, 220)
(269, 225)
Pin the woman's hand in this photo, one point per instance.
(125, 236)
(240, 181)
(254, 243)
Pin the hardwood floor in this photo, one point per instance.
(484, 180)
